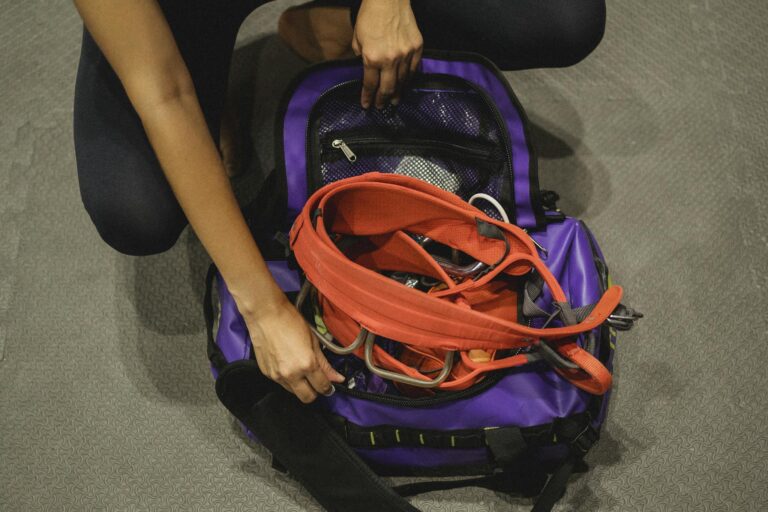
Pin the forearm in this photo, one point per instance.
(179, 135)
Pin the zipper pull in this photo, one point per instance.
(340, 144)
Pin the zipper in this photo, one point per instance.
(487, 382)
(340, 144)
(464, 150)
(506, 143)
(309, 141)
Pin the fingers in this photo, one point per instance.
(415, 60)
(303, 391)
(370, 85)
(385, 80)
(326, 367)
(309, 378)
(387, 85)
(403, 74)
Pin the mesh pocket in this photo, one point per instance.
(461, 177)
(443, 132)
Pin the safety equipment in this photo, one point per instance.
(374, 217)
(474, 322)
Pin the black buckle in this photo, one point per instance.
(623, 318)
(585, 439)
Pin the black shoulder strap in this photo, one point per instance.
(303, 442)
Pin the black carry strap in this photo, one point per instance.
(555, 487)
(303, 442)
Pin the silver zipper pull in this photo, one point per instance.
(340, 144)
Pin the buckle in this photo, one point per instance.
(585, 439)
(623, 318)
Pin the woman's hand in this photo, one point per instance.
(288, 353)
(390, 43)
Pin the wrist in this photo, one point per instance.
(255, 303)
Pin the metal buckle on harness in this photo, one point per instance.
(623, 318)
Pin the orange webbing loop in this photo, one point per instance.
(476, 314)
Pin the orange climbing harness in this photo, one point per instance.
(351, 232)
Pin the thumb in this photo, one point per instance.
(325, 366)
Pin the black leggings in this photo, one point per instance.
(125, 191)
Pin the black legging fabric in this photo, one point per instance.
(125, 191)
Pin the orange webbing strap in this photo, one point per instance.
(385, 209)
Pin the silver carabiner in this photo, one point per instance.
(450, 267)
(327, 339)
(405, 379)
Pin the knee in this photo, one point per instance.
(133, 230)
(578, 28)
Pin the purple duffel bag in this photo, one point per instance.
(523, 430)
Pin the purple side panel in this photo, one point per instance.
(232, 335)
(570, 259)
(574, 268)
(286, 278)
(530, 397)
(485, 78)
(295, 128)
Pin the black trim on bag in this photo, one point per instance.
(562, 430)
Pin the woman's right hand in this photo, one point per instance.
(288, 353)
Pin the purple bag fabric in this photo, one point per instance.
(461, 128)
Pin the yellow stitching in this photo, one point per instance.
(453, 441)
(421, 438)
(397, 434)
(373, 439)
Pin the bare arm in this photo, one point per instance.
(136, 40)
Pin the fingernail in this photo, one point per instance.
(330, 392)
(395, 101)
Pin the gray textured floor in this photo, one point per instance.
(658, 140)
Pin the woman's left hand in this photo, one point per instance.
(390, 43)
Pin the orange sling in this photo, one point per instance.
(352, 230)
